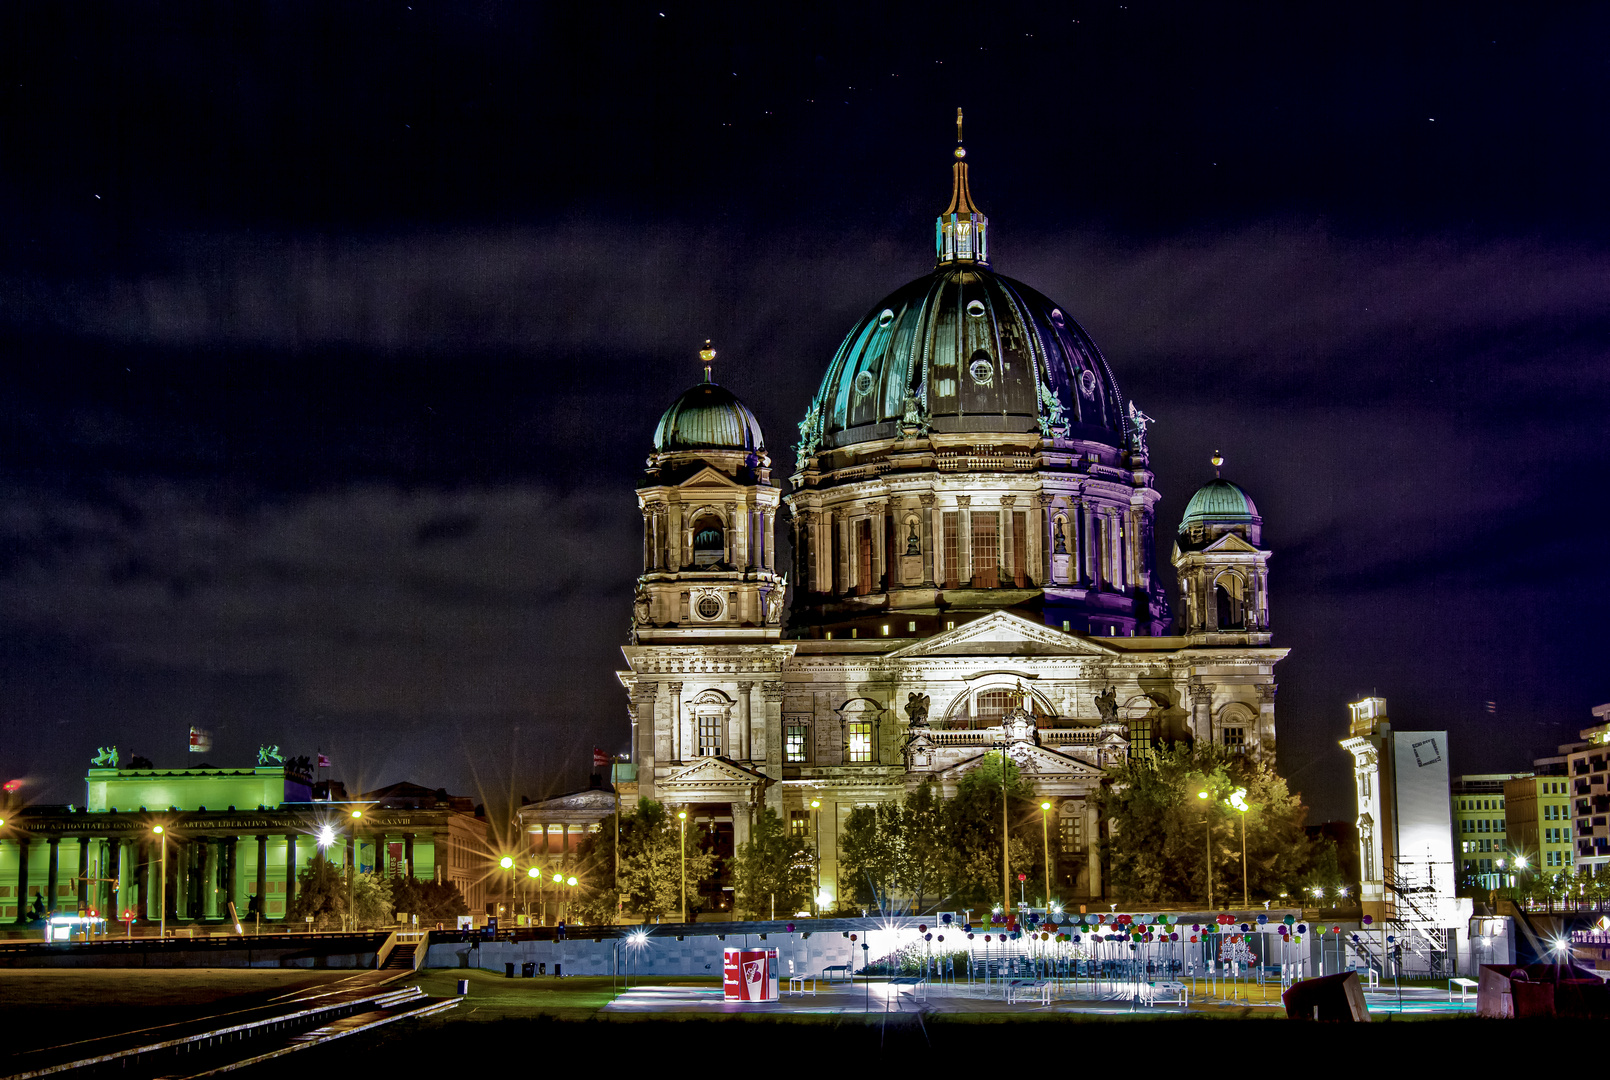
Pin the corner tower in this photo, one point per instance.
(1222, 566)
(968, 451)
(709, 511)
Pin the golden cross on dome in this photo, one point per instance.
(707, 354)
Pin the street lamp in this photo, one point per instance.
(816, 893)
(162, 888)
(1238, 800)
(1207, 846)
(352, 872)
(508, 864)
(682, 816)
(532, 874)
(1045, 840)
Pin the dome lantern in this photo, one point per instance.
(961, 235)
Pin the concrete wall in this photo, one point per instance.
(663, 955)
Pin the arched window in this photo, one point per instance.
(1140, 739)
(709, 541)
(990, 706)
(1232, 612)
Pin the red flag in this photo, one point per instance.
(600, 759)
(324, 762)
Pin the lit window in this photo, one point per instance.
(794, 743)
(798, 823)
(911, 627)
(1235, 739)
(860, 742)
(1071, 832)
(709, 736)
(990, 706)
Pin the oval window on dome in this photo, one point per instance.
(863, 383)
(1087, 383)
(975, 308)
(982, 371)
(885, 317)
(709, 607)
(1056, 316)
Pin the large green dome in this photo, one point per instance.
(708, 417)
(966, 350)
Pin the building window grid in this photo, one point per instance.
(794, 744)
(860, 741)
(710, 736)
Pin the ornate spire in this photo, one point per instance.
(706, 356)
(962, 232)
(1218, 459)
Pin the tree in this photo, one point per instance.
(433, 901)
(322, 894)
(372, 900)
(651, 861)
(973, 824)
(872, 852)
(1158, 847)
(773, 871)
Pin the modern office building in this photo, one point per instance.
(1588, 770)
(1480, 829)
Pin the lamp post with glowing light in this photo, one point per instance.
(1045, 840)
(532, 874)
(682, 816)
(352, 870)
(507, 862)
(816, 892)
(162, 884)
(1207, 845)
(1238, 800)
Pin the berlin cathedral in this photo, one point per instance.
(973, 571)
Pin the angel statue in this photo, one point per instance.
(269, 755)
(1137, 424)
(105, 757)
(1107, 703)
(917, 708)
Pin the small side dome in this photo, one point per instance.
(708, 417)
(1219, 507)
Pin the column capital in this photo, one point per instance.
(1008, 500)
(674, 687)
(926, 499)
(745, 687)
(1266, 691)
(1201, 692)
(773, 690)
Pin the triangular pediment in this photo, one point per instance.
(577, 801)
(710, 771)
(1032, 762)
(1001, 633)
(1231, 543)
(707, 478)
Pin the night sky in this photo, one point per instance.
(334, 336)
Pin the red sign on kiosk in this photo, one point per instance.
(749, 974)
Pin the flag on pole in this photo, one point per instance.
(200, 741)
(324, 761)
(600, 759)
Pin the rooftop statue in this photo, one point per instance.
(105, 757)
(1137, 426)
(1107, 703)
(269, 755)
(917, 708)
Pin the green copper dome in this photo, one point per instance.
(1219, 506)
(708, 417)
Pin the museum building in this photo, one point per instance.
(233, 839)
(972, 571)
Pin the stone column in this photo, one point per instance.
(209, 895)
(262, 871)
(114, 871)
(1093, 850)
(845, 579)
(1003, 539)
(676, 720)
(83, 873)
(673, 536)
(23, 843)
(927, 539)
(409, 869)
(1201, 711)
(771, 748)
(880, 549)
(743, 814)
(644, 692)
(745, 733)
(231, 862)
(441, 855)
(290, 874)
(1047, 539)
(55, 855)
(1087, 562)
(1266, 720)
(964, 540)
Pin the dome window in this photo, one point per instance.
(709, 607)
(1057, 317)
(982, 371)
(975, 308)
(863, 383)
(885, 317)
(1087, 383)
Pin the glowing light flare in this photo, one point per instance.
(506, 862)
(326, 835)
